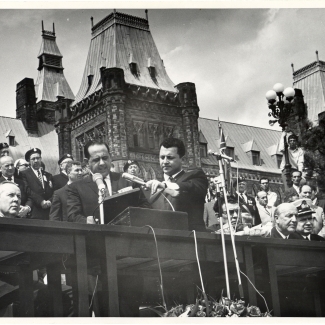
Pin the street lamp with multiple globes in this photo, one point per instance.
(280, 103)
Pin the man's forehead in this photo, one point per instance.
(36, 154)
(306, 188)
(168, 151)
(6, 160)
(9, 188)
(98, 150)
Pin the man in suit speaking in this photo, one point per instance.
(184, 190)
(82, 195)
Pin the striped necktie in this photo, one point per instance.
(40, 177)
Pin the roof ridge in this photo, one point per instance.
(251, 126)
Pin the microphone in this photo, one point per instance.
(222, 155)
(98, 179)
(132, 178)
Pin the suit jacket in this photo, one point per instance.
(82, 197)
(313, 237)
(193, 186)
(290, 192)
(25, 191)
(249, 206)
(38, 193)
(209, 216)
(59, 181)
(58, 211)
(275, 234)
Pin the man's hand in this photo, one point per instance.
(154, 185)
(45, 204)
(23, 211)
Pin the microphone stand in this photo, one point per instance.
(222, 178)
(101, 194)
(223, 240)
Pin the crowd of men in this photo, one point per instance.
(27, 190)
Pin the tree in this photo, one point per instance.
(313, 142)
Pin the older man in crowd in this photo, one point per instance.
(7, 169)
(305, 223)
(265, 211)
(62, 179)
(285, 217)
(271, 196)
(58, 211)
(40, 184)
(10, 199)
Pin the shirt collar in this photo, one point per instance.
(281, 234)
(12, 177)
(166, 177)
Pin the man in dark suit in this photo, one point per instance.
(62, 179)
(285, 217)
(40, 184)
(305, 223)
(247, 202)
(58, 211)
(82, 199)
(185, 191)
(8, 170)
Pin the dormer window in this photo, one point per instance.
(203, 150)
(133, 68)
(278, 159)
(152, 71)
(11, 140)
(256, 158)
(230, 152)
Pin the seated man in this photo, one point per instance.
(265, 211)
(305, 223)
(285, 217)
(58, 211)
(183, 191)
(7, 168)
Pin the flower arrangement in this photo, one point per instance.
(205, 308)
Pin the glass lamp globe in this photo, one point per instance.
(289, 92)
(278, 88)
(270, 95)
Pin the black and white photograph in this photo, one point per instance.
(162, 160)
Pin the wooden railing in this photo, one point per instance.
(125, 250)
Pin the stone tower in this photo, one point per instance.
(127, 99)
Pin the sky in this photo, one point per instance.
(234, 56)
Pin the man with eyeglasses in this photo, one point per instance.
(62, 179)
(40, 184)
(271, 196)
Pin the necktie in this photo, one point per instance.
(242, 197)
(108, 185)
(171, 179)
(9, 179)
(40, 177)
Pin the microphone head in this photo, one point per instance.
(97, 176)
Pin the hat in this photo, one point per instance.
(32, 151)
(4, 145)
(65, 156)
(303, 208)
(129, 163)
(240, 179)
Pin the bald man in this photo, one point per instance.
(285, 217)
(7, 169)
(10, 199)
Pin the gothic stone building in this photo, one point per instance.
(127, 100)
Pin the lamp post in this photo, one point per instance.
(280, 103)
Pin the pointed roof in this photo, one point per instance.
(51, 81)
(250, 146)
(311, 80)
(117, 41)
(202, 138)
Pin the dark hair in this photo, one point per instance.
(292, 136)
(173, 142)
(265, 178)
(296, 171)
(69, 165)
(93, 143)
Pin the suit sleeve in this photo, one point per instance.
(29, 200)
(56, 208)
(74, 205)
(37, 199)
(194, 187)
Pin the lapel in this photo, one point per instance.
(179, 176)
(64, 176)
(33, 175)
(92, 184)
